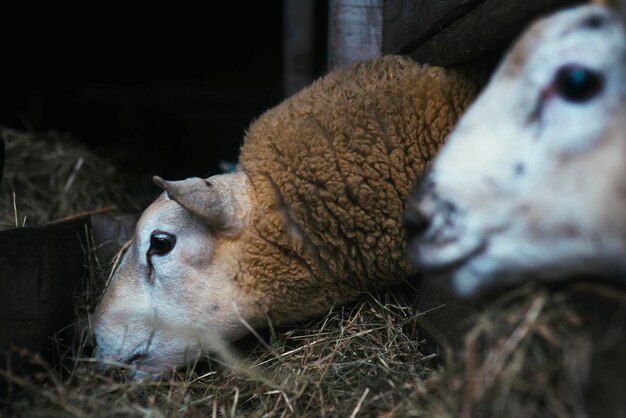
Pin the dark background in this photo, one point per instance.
(168, 91)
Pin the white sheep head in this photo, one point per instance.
(532, 181)
(174, 292)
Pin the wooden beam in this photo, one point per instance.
(452, 32)
(298, 44)
(408, 23)
(355, 31)
(490, 26)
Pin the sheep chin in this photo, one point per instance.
(512, 258)
(437, 258)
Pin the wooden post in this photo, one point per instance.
(298, 44)
(355, 31)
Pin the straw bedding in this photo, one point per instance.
(527, 353)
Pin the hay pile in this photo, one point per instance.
(48, 176)
(522, 357)
(358, 361)
(526, 354)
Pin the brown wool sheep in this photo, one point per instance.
(312, 217)
(331, 169)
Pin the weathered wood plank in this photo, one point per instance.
(490, 26)
(40, 268)
(298, 44)
(408, 23)
(355, 31)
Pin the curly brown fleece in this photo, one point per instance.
(331, 169)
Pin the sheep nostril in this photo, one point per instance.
(416, 223)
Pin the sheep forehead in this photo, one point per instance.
(163, 215)
(562, 37)
(515, 91)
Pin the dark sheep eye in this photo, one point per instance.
(161, 243)
(578, 84)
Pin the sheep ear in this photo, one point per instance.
(220, 201)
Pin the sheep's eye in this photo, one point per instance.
(578, 84)
(161, 243)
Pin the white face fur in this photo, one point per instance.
(174, 292)
(532, 181)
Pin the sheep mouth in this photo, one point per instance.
(138, 364)
(134, 357)
(131, 358)
(444, 258)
